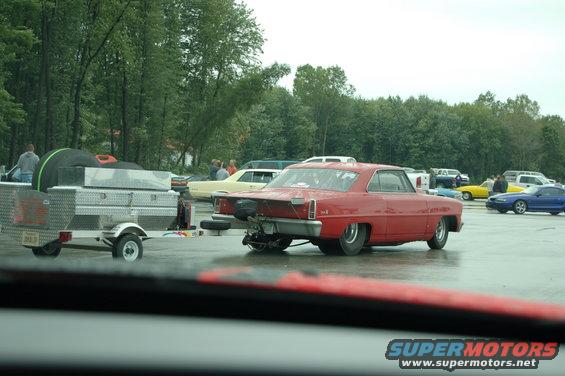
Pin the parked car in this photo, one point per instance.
(531, 180)
(420, 179)
(546, 198)
(444, 192)
(340, 208)
(330, 158)
(178, 183)
(13, 175)
(445, 176)
(511, 175)
(471, 192)
(268, 164)
(243, 180)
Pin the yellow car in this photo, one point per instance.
(243, 180)
(471, 192)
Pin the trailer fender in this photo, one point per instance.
(127, 228)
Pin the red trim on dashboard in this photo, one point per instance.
(376, 290)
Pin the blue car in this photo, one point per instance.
(546, 198)
(444, 192)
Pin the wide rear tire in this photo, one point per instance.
(46, 174)
(440, 236)
(349, 243)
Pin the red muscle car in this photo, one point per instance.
(341, 208)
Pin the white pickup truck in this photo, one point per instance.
(530, 180)
(420, 178)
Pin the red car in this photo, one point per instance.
(340, 207)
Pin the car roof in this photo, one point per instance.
(348, 166)
(261, 170)
(272, 160)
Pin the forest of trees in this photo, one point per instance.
(158, 82)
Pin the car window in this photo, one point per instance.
(453, 172)
(538, 181)
(484, 185)
(262, 177)
(333, 160)
(247, 177)
(351, 160)
(268, 164)
(315, 178)
(550, 192)
(317, 160)
(390, 181)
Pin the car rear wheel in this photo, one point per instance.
(467, 196)
(520, 207)
(349, 243)
(440, 236)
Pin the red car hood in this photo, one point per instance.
(286, 194)
(383, 291)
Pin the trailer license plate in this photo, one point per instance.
(30, 238)
(268, 227)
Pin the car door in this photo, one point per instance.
(406, 211)
(547, 199)
(244, 183)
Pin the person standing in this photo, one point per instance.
(458, 180)
(214, 169)
(222, 173)
(231, 167)
(432, 179)
(490, 184)
(497, 186)
(27, 163)
(503, 184)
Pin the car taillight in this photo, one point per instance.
(217, 205)
(65, 236)
(419, 182)
(312, 210)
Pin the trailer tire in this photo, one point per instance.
(50, 250)
(128, 248)
(46, 175)
(123, 165)
(215, 225)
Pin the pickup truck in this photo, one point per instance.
(445, 176)
(530, 180)
(420, 178)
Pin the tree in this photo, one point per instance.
(323, 90)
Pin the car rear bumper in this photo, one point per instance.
(287, 226)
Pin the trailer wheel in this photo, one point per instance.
(50, 250)
(128, 248)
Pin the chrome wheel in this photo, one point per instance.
(351, 233)
(520, 207)
(467, 196)
(131, 251)
(441, 230)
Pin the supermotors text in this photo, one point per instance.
(452, 354)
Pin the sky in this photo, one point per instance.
(449, 50)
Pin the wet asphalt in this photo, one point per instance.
(520, 256)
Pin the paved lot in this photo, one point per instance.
(510, 255)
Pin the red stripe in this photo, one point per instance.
(376, 290)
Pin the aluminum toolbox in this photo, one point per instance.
(114, 178)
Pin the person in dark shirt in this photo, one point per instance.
(214, 167)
